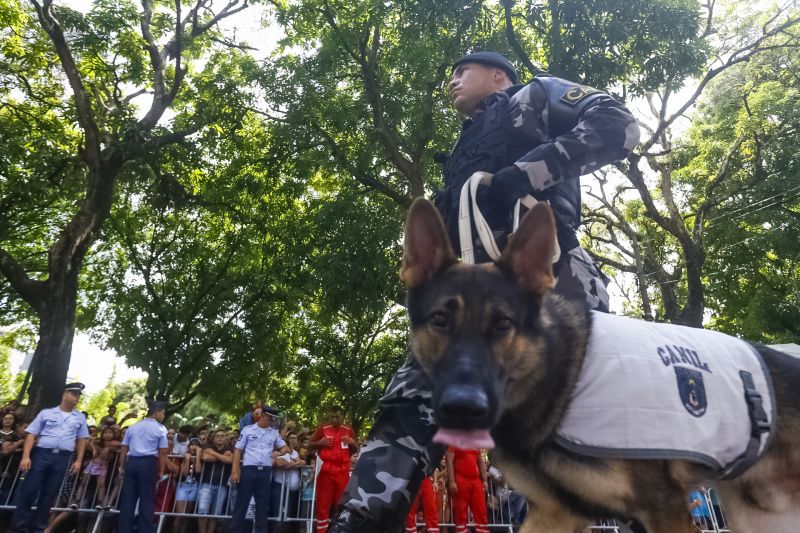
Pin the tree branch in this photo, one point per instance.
(743, 54)
(511, 37)
(30, 290)
(82, 104)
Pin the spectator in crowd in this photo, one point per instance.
(701, 513)
(254, 449)
(181, 445)
(142, 462)
(439, 479)
(111, 418)
(307, 476)
(20, 412)
(202, 435)
(287, 426)
(286, 478)
(165, 490)
(510, 506)
(11, 407)
(104, 451)
(426, 498)
(8, 426)
(217, 458)
(188, 485)
(10, 457)
(251, 417)
(304, 452)
(466, 482)
(233, 437)
(170, 438)
(334, 442)
(304, 441)
(61, 431)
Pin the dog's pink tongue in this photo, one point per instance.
(475, 439)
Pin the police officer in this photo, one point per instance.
(534, 139)
(62, 433)
(143, 459)
(254, 477)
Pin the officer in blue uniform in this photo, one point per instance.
(142, 462)
(254, 449)
(62, 434)
(533, 139)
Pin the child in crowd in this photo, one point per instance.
(188, 486)
(104, 452)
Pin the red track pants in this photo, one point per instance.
(330, 486)
(425, 496)
(470, 495)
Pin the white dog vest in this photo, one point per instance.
(661, 391)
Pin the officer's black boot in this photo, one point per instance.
(350, 522)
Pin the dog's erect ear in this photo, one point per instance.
(427, 248)
(529, 253)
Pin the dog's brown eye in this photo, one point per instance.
(438, 320)
(502, 326)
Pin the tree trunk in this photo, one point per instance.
(54, 349)
(56, 310)
(692, 314)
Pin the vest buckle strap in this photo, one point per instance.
(759, 424)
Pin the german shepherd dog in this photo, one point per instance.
(504, 353)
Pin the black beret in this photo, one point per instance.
(491, 59)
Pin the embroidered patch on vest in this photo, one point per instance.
(692, 391)
(576, 94)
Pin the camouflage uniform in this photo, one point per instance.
(536, 139)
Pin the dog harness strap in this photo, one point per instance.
(759, 425)
(465, 220)
(469, 199)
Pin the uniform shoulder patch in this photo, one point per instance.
(573, 95)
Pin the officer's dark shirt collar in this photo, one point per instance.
(488, 101)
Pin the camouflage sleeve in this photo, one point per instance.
(587, 130)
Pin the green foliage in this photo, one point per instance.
(130, 399)
(752, 238)
(6, 378)
(97, 404)
(253, 239)
(640, 45)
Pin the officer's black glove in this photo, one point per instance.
(509, 185)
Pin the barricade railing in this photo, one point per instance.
(499, 507)
(94, 495)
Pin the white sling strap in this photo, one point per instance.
(466, 220)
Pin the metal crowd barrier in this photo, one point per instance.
(707, 516)
(94, 497)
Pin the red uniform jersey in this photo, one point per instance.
(470, 495)
(337, 455)
(465, 463)
(335, 472)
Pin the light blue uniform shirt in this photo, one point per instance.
(57, 431)
(257, 445)
(145, 438)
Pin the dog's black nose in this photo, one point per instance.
(463, 407)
